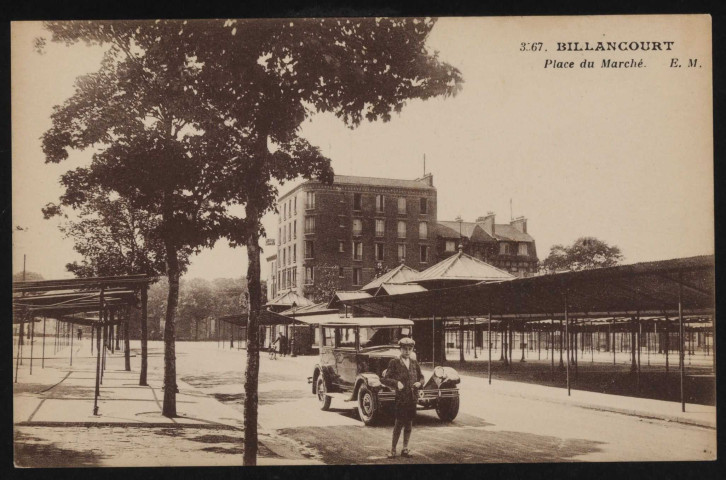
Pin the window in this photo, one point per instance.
(503, 248)
(341, 246)
(340, 272)
(402, 205)
(347, 337)
(424, 251)
(289, 207)
(294, 277)
(357, 201)
(328, 337)
(309, 224)
(357, 276)
(357, 250)
(283, 257)
(423, 230)
(294, 202)
(309, 200)
(308, 275)
(424, 206)
(450, 245)
(294, 229)
(379, 252)
(294, 253)
(284, 210)
(402, 251)
(279, 236)
(523, 250)
(401, 229)
(289, 232)
(380, 203)
(357, 226)
(309, 249)
(380, 227)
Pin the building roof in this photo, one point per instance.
(508, 232)
(471, 230)
(288, 298)
(463, 267)
(400, 274)
(382, 182)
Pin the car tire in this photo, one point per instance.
(368, 408)
(447, 409)
(322, 397)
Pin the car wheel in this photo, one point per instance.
(368, 410)
(322, 397)
(447, 409)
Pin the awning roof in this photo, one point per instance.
(461, 266)
(649, 288)
(400, 274)
(371, 322)
(397, 289)
(61, 298)
(288, 298)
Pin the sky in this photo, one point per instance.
(625, 155)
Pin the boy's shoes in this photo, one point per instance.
(391, 454)
(405, 453)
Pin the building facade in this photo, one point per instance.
(337, 237)
(505, 246)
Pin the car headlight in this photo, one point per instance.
(439, 375)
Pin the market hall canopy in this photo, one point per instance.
(459, 269)
(400, 274)
(648, 288)
(61, 298)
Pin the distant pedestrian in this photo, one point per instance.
(405, 377)
(80, 333)
(274, 346)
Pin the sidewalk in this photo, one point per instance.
(55, 404)
(699, 415)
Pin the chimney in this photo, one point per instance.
(520, 223)
(487, 223)
(428, 179)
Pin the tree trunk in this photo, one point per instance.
(144, 336)
(253, 342)
(170, 388)
(196, 330)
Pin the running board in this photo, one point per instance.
(340, 396)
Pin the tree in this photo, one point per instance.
(584, 254)
(29, 277)
(269, 76)
(114, 238)
(144, 114)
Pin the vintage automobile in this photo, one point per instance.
(354, 353)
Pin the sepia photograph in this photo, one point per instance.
(362, 241)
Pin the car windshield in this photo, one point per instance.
(375, 336)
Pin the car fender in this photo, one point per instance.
(326, 378)
(370, 380)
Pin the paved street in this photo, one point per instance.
(502, 422)
(491, 427)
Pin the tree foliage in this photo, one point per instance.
(584, 254)
(327, 282)
(113, 237)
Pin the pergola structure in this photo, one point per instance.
(625, 297)
(102, 303)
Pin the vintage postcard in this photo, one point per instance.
(347, 241)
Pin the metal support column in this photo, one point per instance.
(42, 362)
(567, 345)
(32, 342)
(98, 354)
(489, 347)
